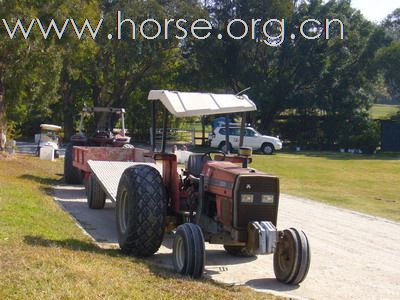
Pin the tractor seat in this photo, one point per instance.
(195, 164)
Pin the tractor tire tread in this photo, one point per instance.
(148, 211)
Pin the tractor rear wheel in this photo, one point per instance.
(141, 210)
(292, 257)
(72, 175)
(188, 252)
(239, 251)
(95, 194)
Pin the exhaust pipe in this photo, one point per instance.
(245, 153)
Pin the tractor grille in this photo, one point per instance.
(255, 185)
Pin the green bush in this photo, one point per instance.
(368, 139)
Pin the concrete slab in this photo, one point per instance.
(354, 256)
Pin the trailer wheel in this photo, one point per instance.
(95, 194)
(292, 257)
(188, 252)
(141, 210)
(72, 175)
(239, 251)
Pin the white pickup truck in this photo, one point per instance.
(252, 138)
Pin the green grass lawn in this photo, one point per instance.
(366, 183)
(44, 255)
(383, 111)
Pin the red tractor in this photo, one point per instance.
(217, 198)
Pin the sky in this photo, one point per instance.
(376, 10)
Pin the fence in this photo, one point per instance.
(176, 136)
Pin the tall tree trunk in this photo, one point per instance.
(68, 113)
(2, 106)
(67, 106)
(3, 127)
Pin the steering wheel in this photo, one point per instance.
(214, 152)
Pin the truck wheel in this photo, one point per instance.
(141, 210)
(188, 252)
(222, 147)
(239, 251)
(95, 194)
(292, 257)
(72, 175)
(267, 148)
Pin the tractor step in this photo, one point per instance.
(109, 173)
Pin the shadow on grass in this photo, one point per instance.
(347, 156)
(321, 154)
(161, 271)
(78, 245)
(45, 183)
(71, 244)
(41, 180)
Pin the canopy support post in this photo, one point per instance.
(164, 135)
(227, 150)
(153, 125)
(242, 126)
(203, 130)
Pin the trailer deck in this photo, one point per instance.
(109, 173)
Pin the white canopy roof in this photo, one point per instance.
(183, 104)
(50, 127)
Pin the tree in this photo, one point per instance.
(30, 67)
(388, 58)
(322, 82)
(122, 71)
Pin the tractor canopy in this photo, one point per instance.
(184, 104)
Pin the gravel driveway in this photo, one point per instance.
(354, 256)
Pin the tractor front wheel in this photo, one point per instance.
(292, 257)
(141, 210)
(188, 252)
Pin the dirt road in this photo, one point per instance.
(354, 256)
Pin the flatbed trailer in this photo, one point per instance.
(82, 155)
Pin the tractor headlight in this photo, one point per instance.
(267, 198)
(247, 198)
